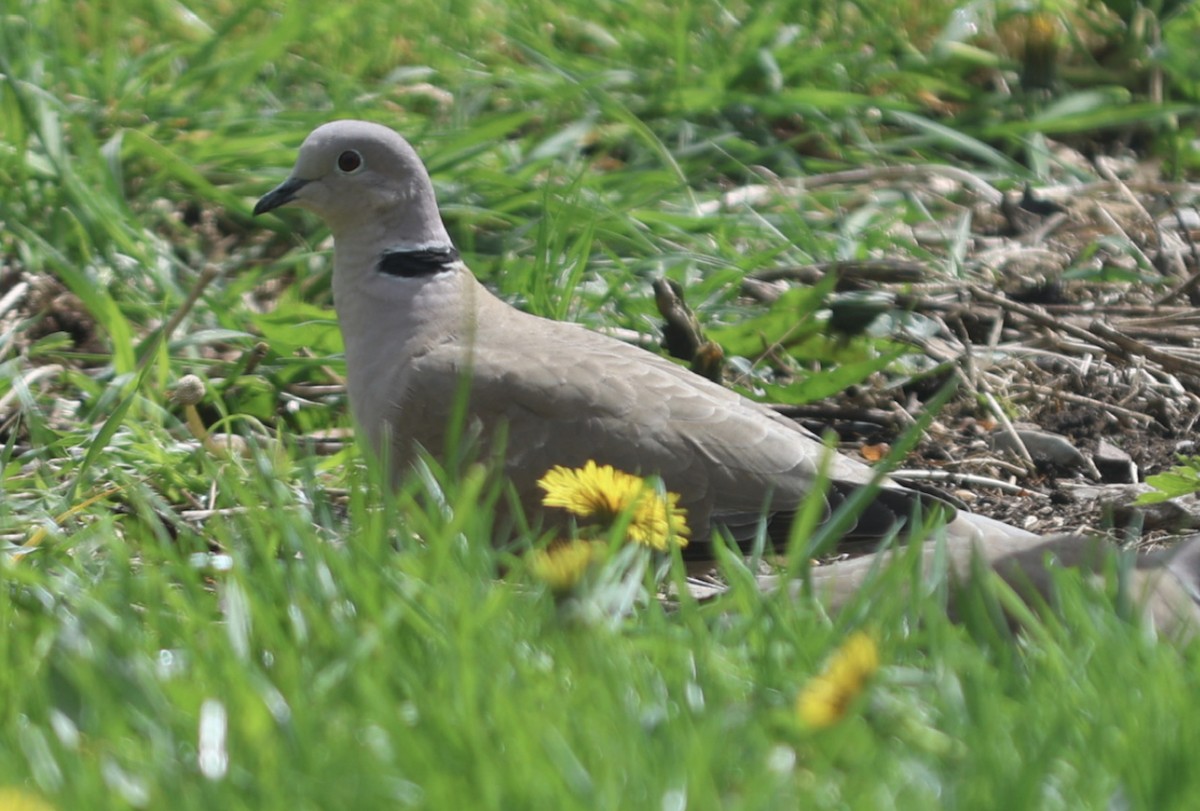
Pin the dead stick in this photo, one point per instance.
(1172, 363)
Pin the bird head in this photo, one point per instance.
(355, 174)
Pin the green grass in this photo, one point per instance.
(179, 630)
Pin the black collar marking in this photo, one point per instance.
(411, 264)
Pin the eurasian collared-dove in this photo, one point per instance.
(417, 323)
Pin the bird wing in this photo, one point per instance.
(563, 395)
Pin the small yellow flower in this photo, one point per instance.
(15, 799)
(562, 564)
(824, 700)
(1042, 32)
(600, 493)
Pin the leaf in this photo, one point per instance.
(1181, 480)
(298, 325)
(828, 383)
(130, 386)
(950, 138)
(791, 316)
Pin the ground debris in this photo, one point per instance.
(1074, 313)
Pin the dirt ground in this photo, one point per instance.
(1076, 332)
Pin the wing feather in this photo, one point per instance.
(565, 395)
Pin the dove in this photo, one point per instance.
(418, 326)
(420, 330)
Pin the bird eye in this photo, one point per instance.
(349, 160)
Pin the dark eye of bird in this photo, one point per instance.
(349, 160)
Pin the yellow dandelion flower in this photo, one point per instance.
(15, 799)
(562, 564)
(602, 494)
(824, 700)
(1043, 31)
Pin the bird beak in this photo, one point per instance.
(281, 195)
